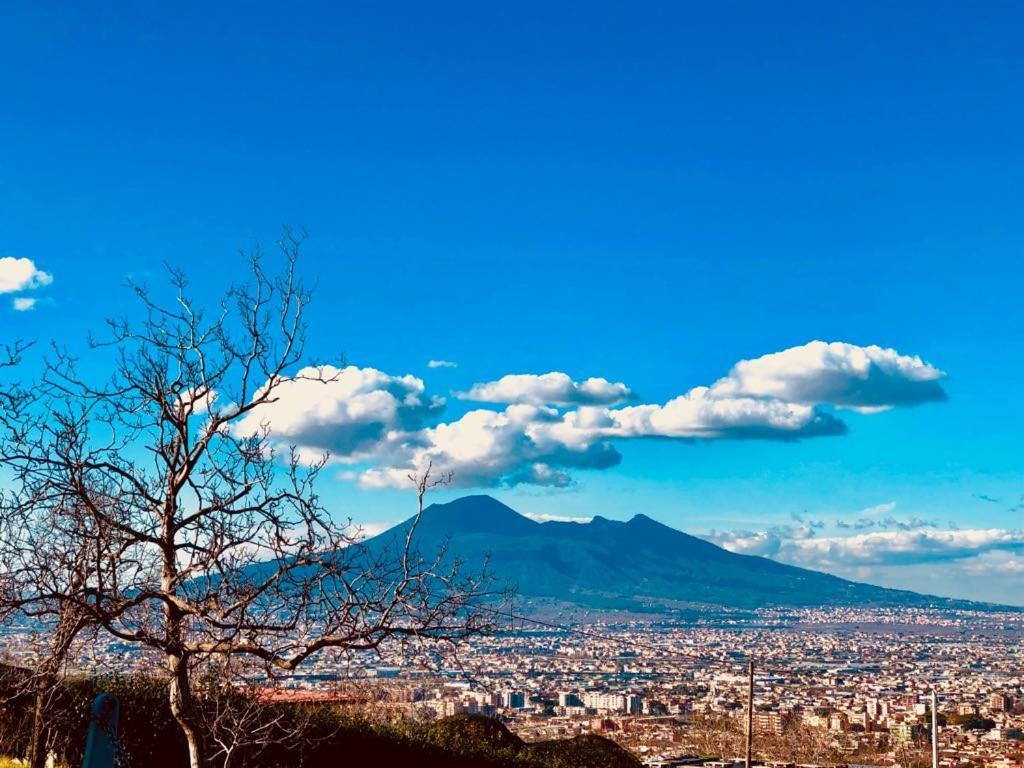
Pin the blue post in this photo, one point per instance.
(101, 743)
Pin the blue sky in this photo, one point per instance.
(648, 194)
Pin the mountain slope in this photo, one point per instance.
(608, 563)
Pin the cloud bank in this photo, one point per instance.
(909, 545)
(550, 425)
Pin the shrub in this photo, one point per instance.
(299, 735)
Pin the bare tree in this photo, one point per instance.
(44, 560)
(222, 545)
(12, 394)
(47, 555)
(241, 725)
(50, 556)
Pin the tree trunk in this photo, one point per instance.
(183, 707)
(37, 740)
(183, 704)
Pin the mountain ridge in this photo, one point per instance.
(638, 563)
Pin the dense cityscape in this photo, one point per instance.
(830, 686)
(842, 686)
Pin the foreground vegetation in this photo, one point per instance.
(246, 732)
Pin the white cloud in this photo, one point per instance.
(545, 517)
(442, 364)
(996, 564)
(21, 275)
(699, 414)
(878, 509)
(201, 401)
(350, 412)
(364, 531)
(845, 375)
(487, 448)
(553, 388)
(767, 543)
(900, 547)
(904, 547)
(23, 304)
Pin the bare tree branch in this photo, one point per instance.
(208, 538)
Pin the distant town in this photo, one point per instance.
(838, 686)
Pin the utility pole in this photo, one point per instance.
(750, 713)
(935, 730)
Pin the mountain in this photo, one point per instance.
(635, 564)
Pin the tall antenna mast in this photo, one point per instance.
(935, 730)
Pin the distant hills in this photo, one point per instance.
(638, 564)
